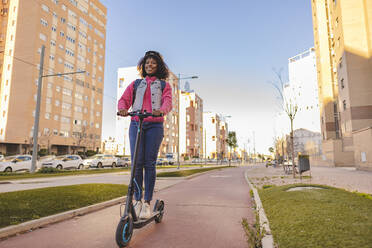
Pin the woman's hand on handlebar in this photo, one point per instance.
(157, 113)
(123, 112)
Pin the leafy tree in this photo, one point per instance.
(231, 142)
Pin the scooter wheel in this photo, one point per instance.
(160, 208)
(124, 231)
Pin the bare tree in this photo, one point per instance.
(290, 107)
(81, 137)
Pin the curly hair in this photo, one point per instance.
(162, 71)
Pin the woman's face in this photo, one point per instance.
(151, 66)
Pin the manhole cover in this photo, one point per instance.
(303, 188)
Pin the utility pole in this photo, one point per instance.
(37, 110)
(254, 146)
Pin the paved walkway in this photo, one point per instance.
(340, 177)
(204, 211)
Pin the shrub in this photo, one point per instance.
(46, 170)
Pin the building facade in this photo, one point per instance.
(342, 33)
(170, 141)
(215, 134)
(191, 125)
(73, 33)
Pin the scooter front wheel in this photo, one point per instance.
(124, 231)
(159, 207)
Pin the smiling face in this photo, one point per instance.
(151, 66)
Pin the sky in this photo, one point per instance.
(232, 46)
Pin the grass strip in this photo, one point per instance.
(26, 175)
(326, 217)
(21, 206)
(185, 173)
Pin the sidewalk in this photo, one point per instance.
(340, 177)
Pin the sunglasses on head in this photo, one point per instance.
(152, 53)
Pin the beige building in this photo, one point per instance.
(191, 125)
(73, 32)
(215, 135)
(343, 43)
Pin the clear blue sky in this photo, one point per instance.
(232, 46)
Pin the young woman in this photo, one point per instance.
(153, 95)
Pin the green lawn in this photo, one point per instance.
(26, 175)
(185, 173)
(20, 206)
(327, 217)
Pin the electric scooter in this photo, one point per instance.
(129, 220)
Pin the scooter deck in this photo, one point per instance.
(142, 222)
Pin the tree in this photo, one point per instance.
(231, 142)
(290, 107)
(271, 149)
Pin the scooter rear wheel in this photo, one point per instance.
(160, 208)
(124, 231)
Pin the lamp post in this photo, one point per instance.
(179, 113)
(38, 101)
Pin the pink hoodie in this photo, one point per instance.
(126, 100)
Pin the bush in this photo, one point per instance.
(43, 152)
(90, 153)
(46, 170)
(186, 158)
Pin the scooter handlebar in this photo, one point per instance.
(139, 114)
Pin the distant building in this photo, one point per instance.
(109, 146)
(215, 134)
(191, 125)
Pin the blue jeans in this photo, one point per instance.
(152, 136)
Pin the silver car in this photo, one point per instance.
(101, 160)
(65, 162)
(16, 163)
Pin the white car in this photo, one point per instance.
(1, 157)
(65, 162)
(16, 163)
(101, 160)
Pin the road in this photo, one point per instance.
(204, 211)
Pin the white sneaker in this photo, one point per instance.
(137, 207)
(145, 212)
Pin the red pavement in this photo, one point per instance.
(205, 211)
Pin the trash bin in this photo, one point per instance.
(303, 163)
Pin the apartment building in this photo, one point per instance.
(215, 135)
(342, 33)
(73, 33)
(191, 125)
(127, 75)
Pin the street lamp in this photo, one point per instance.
(179, 110)
(37, 110)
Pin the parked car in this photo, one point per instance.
(123, 161)
(170, 158)
(64, 162)
(101, 160)
(161, 161)
(197, 161)
(16, 163)
(1, 157)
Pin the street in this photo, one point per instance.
(204, 211)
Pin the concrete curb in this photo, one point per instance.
(267, 240)
(33, 224)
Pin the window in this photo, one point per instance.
(65, 119)
(63, 20)
(45, 8)
(78, 96)
(48, 100)
(66, 106)
(42, 37)
(53, 42)
(342, 83)
(344, 104)
(63, 7)
(56, 117)
(54, 29)
(58, 88)
(78, 109)
(67, 92)
(44, 22)
(57, 103)
(47, 116)
(62, 34)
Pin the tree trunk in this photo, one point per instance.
(292, 146)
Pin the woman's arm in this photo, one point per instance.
(166, 99)
(126, 100)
